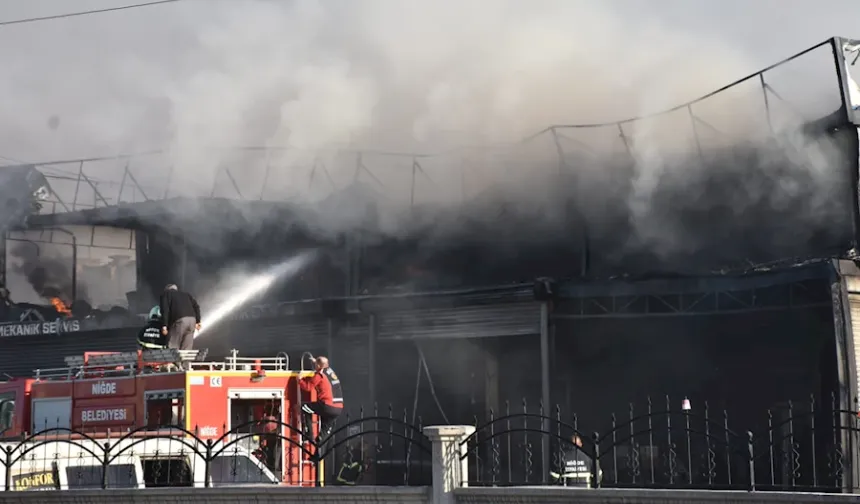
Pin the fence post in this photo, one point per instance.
(595, 461)
(751, 455)
(106, 463)
(450, 464)
(8, 468)
(207, 482)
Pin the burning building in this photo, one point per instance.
(734, 285)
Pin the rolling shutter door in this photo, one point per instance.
(20, 355)
(510, 319)
(350, 359)
(854, 302)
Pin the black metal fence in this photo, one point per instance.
(801, 448)
(381, 448)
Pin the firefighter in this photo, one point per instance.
(329, 403)
(150, 337)
(180, 317)
(352, 471)
(267, 428)
(577, 470)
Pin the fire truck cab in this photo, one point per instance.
(249, 404)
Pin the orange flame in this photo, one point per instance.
(60, 306)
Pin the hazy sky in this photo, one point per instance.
(205, 74)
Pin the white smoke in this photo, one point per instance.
(198, 77)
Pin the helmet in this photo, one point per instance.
(155, 313)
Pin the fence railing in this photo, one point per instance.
(811, 446)
(802, 447)
(380, 448)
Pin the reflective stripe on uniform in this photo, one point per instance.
(155, 346)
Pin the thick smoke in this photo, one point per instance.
(49, 276)
(328, 78)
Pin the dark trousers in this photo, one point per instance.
(327, 413)
(181, 333)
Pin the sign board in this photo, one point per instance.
(58, 326)
(40, 480)
(120, 414)
(104, 388)
(208, 432)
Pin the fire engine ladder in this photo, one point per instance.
(301, 424)
(126, 362)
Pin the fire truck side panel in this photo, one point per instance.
(210, 394)
(110, 403)
(98, 403)
(52, 389)
(51, 405)
(51, 413)
(15, 407)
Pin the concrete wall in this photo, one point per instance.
(414, 495)
(552, 495)
(257, 495)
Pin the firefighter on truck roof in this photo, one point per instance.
(150, 337)
(329, 403)
(180, 316)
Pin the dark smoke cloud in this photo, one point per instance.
(327, 77)
(48, 276)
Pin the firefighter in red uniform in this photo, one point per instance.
(329, 403)
(267, 428)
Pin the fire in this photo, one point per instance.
(60, 306)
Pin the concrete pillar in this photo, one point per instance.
(450, 464)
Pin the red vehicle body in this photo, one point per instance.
(105, 393)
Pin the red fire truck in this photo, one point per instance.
(254, 403)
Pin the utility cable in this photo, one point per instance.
(414, 411)
(430, 383)
(84, 13)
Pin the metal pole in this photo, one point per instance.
(764, 87)
(695, 131)
(371, 358)
(266, 175)
(842, 77)
(184, 262)
(624, 139)
(74, 267)
(78, 186)
(544, 379)
(412, 193)
(561, 161)
(122, 183)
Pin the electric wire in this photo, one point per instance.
(85, 13)
(430, 383)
